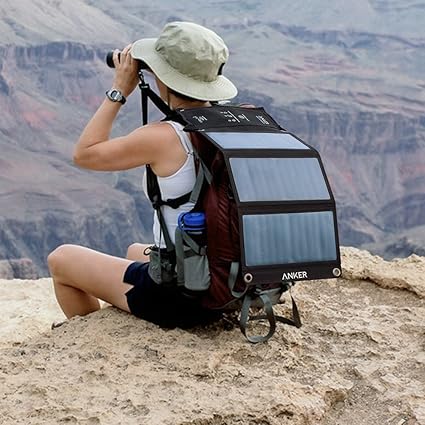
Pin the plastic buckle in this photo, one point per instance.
(156, 202)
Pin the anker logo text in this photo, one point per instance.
(294, 276)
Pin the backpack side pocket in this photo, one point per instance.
(161, 266)
(192, 263)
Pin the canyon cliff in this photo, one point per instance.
(353, 91)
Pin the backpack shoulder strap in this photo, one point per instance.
(154, 194)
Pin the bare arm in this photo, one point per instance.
(89, 152)
(99, 127)
(144, 145)
(156, 144)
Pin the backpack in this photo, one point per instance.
(270, 216)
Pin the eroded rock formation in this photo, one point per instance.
(22, 268)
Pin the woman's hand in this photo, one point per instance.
(126, 78)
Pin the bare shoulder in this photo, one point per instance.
(149, 144)
(162, 129)
(156, 136)
(168, 152)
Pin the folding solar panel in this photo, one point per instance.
(287, 215)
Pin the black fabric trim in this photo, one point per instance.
(177, 202)
(228, 118)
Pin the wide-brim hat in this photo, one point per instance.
(188, 58)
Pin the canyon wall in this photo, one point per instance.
(354, 94)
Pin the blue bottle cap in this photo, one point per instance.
(192, 220)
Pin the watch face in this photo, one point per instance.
(116, 95)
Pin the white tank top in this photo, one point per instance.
(174, 186)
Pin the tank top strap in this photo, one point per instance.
(183, 136)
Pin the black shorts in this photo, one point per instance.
(165, 306)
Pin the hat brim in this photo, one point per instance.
(219, 89)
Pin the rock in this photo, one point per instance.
(6, 271)
(22, 268)
(407, 273)
(357, 360)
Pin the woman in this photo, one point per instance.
(187, 61)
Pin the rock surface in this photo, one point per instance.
(357, 360)
(22, 268)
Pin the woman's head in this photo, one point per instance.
(177, 100)
(188, 59)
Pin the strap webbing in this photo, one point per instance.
(179, 256)
(269, 315)
(146, 93)
(177, 202)
(203, 175)
(163, 225)
(154, 194)
(294, 321)
(268, 308)
(200, 250)
(231, 280)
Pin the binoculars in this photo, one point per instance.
(110, 61)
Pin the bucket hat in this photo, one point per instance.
(188, 58)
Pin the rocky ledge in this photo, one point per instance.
(358, 359)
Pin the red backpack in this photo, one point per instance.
(270, 215)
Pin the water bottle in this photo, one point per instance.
(194, 224)
(192, 261)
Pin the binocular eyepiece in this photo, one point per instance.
(110, 61)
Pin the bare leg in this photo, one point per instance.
(136, 251)
(81, 276)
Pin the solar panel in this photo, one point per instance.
(289, 238)
(233, 140)
(286, 210)
(278, 179)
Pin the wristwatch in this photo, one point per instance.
(115, 95)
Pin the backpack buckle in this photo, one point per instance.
(156, 202)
